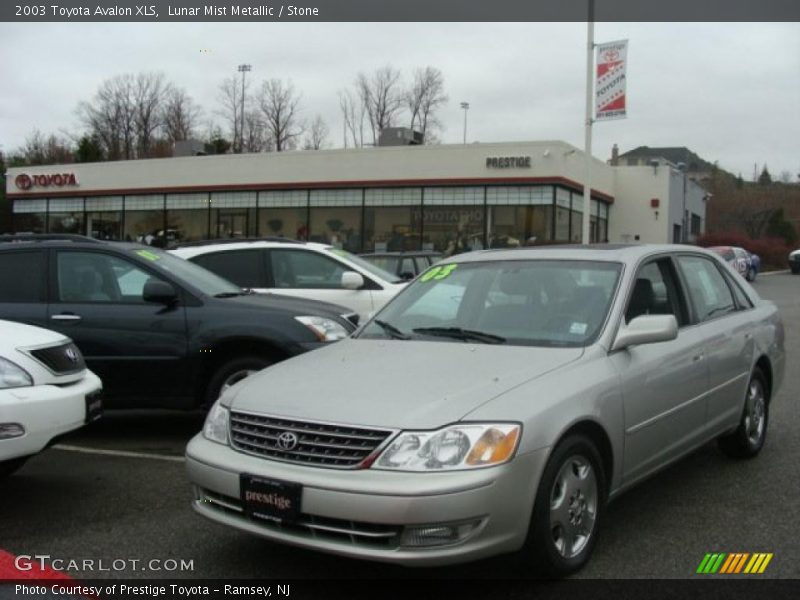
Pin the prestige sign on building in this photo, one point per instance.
(612, 60)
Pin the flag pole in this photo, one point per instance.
(587, 179)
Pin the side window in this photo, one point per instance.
(94, 277)
(305, 269)
(242, 267)
(710, 295)
(408, 266)
(742, 301)
(22, 276)
(654, 292)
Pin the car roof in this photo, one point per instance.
(205, 246)
(624, 253)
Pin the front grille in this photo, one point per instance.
(357, 533)
(61, 360)
(320, 444)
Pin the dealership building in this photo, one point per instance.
(448, 198)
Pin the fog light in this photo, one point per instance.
(11, 430)
(438, 534)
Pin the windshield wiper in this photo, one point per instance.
(393, 331)
(232, 294)
(462, 334)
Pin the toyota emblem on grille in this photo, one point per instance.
(71, 355)
(287, 440)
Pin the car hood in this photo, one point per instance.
(18, 335)
(287, 304)
(393, 383)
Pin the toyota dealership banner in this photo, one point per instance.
(609, 95)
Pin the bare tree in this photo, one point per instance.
(148, 97)
(424, 97)
(39, 149)
(110, 116)
(353, 114)
(317, 135)
(180, 116)
(279, 105)
(255, 133)
(382, 98)
(230, 99)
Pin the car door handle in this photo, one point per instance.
(66, 317)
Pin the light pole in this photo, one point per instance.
(242, 69)
(465, 106)
(684, 237)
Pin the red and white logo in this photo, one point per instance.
(25, 182)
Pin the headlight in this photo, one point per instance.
(13, 376)
(216, 426)
(455, 447)
(326, 330)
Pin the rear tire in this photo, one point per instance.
(230, 373)
(570, 503)
(8, 467)
(751, 275)
(749, 437)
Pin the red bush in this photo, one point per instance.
(773, 251)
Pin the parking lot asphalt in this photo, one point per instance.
(118, 491)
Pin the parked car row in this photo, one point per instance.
(546, 381)
(405, 265)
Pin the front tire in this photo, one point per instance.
(749, 437)
(569, 505)
(232, 372)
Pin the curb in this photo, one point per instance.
(764, 274)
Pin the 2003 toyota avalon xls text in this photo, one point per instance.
(496, 405)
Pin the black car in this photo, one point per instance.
(158, 330)
(405, 265)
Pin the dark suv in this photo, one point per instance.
(158, 330)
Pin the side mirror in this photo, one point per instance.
(352, 280)
(159, 292)
(646, 329)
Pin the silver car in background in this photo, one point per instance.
(496, 405)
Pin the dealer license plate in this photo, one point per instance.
(270, 499)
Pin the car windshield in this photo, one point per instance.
(515, 302)
(366, 265)
(201, 279)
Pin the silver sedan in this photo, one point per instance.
(496, 405)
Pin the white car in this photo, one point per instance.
(45, 391)
(302, 269)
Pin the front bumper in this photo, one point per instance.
(45, 411)
(364, 513)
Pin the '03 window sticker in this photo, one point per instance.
(146, 254)
(438, 272)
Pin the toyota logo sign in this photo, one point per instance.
(287, 440)
(23, 181)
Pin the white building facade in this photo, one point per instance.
(449, 198)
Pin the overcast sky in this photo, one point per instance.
(730, 92)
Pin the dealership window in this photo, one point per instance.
(696, 224)
(30, 216)
(233, 214)
(187, 218)
(562, 217)
(65, 215)
(389, 223)
(519, 215)
(283, 214)
(104, 217)
(336, 218)
(453, 219)
(144, 219)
